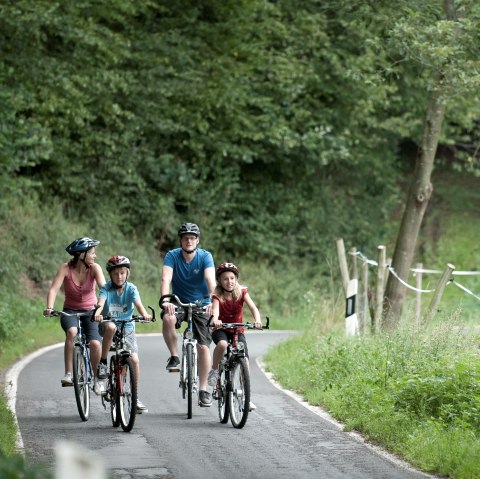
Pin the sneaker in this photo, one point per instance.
(251, 406)
(99, 388)
(173, 364)
(67, 380)
(141, 408)
(102, 371)
(212, 377)
(204, 399)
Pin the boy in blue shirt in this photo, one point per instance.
(117, 298)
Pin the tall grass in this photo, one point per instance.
(414, 392)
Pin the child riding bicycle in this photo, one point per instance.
(117, 299)
(227, 307)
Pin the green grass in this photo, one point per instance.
(413, 392)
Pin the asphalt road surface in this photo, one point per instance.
(282, 438)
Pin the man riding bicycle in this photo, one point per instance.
(190, 271)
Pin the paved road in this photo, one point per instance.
(282, 438)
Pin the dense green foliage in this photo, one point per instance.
(276, 125)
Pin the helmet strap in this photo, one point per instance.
(83, 258)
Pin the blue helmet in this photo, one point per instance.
(80, 245)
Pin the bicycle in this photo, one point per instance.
(233, 386)
(83, 375)
(121, 383)
(189, 367)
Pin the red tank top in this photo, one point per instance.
(79, 297)
(232, 311)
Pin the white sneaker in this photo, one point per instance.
(212, 377)
(141, 408)
(251, 406)
(67, 380)
(99, 387)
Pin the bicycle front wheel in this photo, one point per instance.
(222, 396)
(112, 389)
(190, 378)
(239, 396)
(80, 382)
(128, 395)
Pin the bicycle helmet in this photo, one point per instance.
(226, 267)
(189, 228)
(117, 262)
(80, 245)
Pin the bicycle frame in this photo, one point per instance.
(121, 389)
(189, 382)
(83, 376)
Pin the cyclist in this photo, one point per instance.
(190, 271)
(117, 298)
(228, 300)
(79, 278)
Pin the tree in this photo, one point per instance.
(445, 49)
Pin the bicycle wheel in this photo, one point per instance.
(222, 396)
(80, 383)
(239, 396)
(183, 374)
(113, 393)
(128, 394)
(190, 379)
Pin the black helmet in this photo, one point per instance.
(80, 245)
(189, 228)
(226, 267)
(117, 262)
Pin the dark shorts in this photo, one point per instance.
(89, 328)
(201, 332)
(220, 334)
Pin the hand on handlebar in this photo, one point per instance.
(216, 323)
(168, 307)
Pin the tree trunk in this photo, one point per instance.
(419, 194)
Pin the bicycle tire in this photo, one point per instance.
(190, 379)
(222, 396)
(113, 392)
(239, 396)
(128, 395)
(80, 382)
(183, 375)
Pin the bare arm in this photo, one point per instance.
(254, 310)
(215, 313)
(97, 273)
(210, 279)
(55, 287)
(141, 309)
(167, 275)
(98, 316)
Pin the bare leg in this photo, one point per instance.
(95, 350)
(68, 350)
(219, 353)
(204, 363)
(170, 334)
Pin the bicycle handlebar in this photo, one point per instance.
(241, 325)
(197, 305)
(55, 312)
(136, 319)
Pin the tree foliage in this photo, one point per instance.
(274, 125)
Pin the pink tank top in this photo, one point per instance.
(79, 297)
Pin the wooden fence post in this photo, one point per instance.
(353, 268)
(380, 287)
(342, 261)
(437, 296)
(363, 319)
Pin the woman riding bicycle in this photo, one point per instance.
(79, 278)
(227, 307)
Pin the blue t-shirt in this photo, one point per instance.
(119, 307)
(188, 281)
